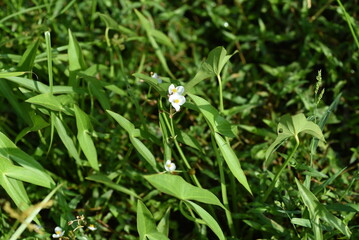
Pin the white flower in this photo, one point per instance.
(170, 166)
(92, 227)
(58, 232)
(155, 75)
(177, 100)
(173, 90)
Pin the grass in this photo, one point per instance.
(265, 146)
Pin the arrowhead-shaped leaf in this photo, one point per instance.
(176, 186)
(291, 126)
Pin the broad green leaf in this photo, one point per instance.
(27, 60)
(28, 175)
(30, 84)
(84, 128)
(107, 181)
(203, 73)
(124, 123)
(301, 222)
(9, 150)
(176, 186)
(146, 226)
(217, 58)
(144, 151)
(214, 119)
(232, 161)
(210, 221)
(66, 140)
(48, 101)
(291, 126)
(316, 209)
(76, 59)
(15, 189)
(10, 74)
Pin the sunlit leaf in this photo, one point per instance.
(176, 186)
(291, 126)
(215, 120)
(84, 129)
(232, 161)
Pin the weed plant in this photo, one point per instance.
(179, 119)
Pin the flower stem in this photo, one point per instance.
(285, 164)
(170, 126)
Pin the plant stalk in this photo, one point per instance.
(285, 164)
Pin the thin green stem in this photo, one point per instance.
(170, 126)
(49, 60)
(221, 107)
(285, 164)
(223, 187)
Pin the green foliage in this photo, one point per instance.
(265, 146)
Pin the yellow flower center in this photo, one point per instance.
(58, 232)
(176, 101)
(174, 90)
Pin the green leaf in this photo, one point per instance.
(232, 161)
(217, 58)
(162, 89)
(29, 84)
(15, 189)
(316, 209)
(27, 60)
(176, 186)
(100, 178)
(214, 119)
(146, 226)
(84, 128)
(203, 73)
(66, 140)
(127, 125)
(27, 175)
(112, 24)
(48, 101)
(10, 151)
(210, 221)
(144, 152)
(164, 225)
(37, 123)
(10, 74)
(291, 126)
(76, 59)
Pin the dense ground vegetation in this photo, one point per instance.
(266, 145)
